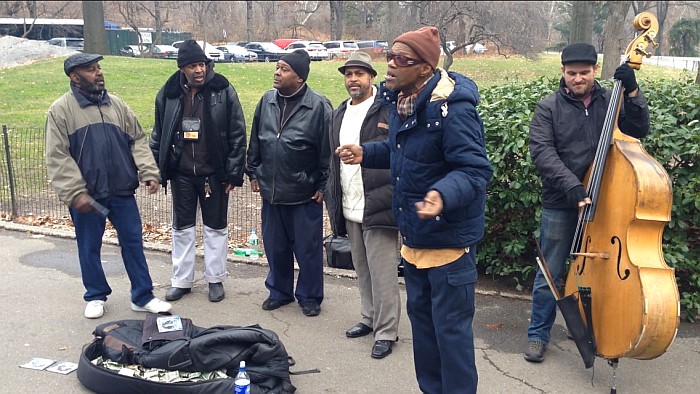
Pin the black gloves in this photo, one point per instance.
(625, 73)
(574, 195)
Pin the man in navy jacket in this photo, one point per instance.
(440, 173)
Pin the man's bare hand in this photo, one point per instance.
(152, 186)
(431, 205)
(318, 197)
(349, 153)
(228, 187)
(254, 185)
(82, 203)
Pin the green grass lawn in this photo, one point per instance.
(26, 92)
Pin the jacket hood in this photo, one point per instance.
(173, 89)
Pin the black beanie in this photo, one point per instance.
(190, 52)
(299, 62)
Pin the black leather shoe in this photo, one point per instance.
(381, 349)
(216, 292)
(271, 304)
(175, 293)
(358, 330)
(310, 308)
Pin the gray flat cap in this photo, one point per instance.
(79, 59)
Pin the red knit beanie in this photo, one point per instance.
(425, 42)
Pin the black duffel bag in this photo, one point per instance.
(338, 253)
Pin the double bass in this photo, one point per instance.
(633, 308)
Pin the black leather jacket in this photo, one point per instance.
(223, 119)
(564, 136)
(290, 161)
(376, 182)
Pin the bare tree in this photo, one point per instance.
(130, 10)
(159, 19)
(505, 25)
(615, 42)
(94, 27)
(581, 22)
(249, 20)
(336, 19)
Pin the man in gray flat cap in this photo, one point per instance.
(359, 206)
(96, 154)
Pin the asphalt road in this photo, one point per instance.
(42, 316)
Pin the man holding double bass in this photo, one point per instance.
(564, 134)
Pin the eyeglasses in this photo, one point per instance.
(401, 60)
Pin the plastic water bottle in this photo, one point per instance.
(242, 381)
(253, 244)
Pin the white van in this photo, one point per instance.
(75, 44)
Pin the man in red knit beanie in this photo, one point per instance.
(440, 173)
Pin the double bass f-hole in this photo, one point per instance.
(616, 241)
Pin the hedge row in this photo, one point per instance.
(513, 205)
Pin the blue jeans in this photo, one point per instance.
(89, 228)
(440, 305)
(557, 233)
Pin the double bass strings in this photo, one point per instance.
(587, 214)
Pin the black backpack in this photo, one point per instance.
(192, 349)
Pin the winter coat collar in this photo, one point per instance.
(173, 88)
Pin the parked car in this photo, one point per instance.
(315, 49)
(211, 52)
(476, 48)
(131, 50)
(340, 49)
(284, 42)
(237, 54)
(266, 51)
(76, 44)
(163, 51)
(373, 46)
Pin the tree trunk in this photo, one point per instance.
(249, 19)
(94, 28)
(336, 19)
(32, 9)
(697, 77)
(581, 22)
(661, 12)
(613, 44)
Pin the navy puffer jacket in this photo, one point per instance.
(439, 147)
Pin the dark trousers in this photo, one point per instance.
(440, 305)
(188, 191)
(89, 228)
(291, 231)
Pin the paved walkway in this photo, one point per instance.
(42, 317)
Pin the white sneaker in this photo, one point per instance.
(95, 309)
(154, 306)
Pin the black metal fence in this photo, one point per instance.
(25, 192)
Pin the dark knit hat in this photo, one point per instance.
(299, 62)
(425, 42)
(79, 59)
(359, 59)
(190, 52)
(579, 52)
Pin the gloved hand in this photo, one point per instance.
(625, 73)
(574, 195)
